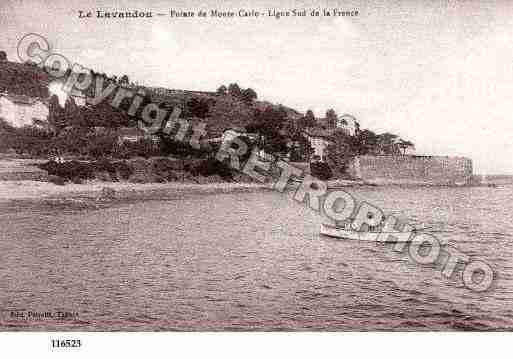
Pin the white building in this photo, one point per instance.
(21, 110)
(348, 124)
(319, 141)
(234, 132)
(79, 98)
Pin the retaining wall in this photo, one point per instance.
(432, 170)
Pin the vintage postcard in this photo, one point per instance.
(255, 166)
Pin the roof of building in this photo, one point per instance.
(346, 115)
(346, 119)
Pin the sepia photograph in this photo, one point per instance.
(255, 167)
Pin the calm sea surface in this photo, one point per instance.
(250, 261)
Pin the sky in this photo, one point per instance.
(438, 73)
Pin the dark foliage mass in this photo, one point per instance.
(211, 167)
(269, 125)
(321, 170)
(142, 148)
(197, 108)
(71, 170)
(76, 171)
(246, 95)
(23, 79)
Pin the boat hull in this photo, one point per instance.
(344, 233)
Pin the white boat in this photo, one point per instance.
(345, 231)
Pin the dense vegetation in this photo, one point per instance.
(91, 132)
(23, 79)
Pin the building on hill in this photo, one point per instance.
(79, 98)
(348, 123)
(21, 110)
(231, 133)
(345, 122)
(319, 140)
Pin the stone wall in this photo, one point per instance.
(432, 170)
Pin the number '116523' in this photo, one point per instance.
(66, 343)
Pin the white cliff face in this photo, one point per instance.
(21, 110)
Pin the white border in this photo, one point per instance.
(260, 345)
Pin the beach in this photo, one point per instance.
(35, 190)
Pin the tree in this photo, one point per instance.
(387, 144)
(100, 144)
(222, 90)
(321, 170)
(249, 95)
(364, 143)
(73, 114)
(56, 115)
(269, 124)
(3, 56)
(6, 134)
(340, 151)
(304, 149)
(124, 80)
(197, 108)
(309, 119)
(356, 128)
(404, 145)
(332, 118)
(72, 140)
(234, 90)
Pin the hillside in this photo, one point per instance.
(224, 111)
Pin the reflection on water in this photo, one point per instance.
(251, 261)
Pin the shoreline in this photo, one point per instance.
(30, 190)
(97, 192)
